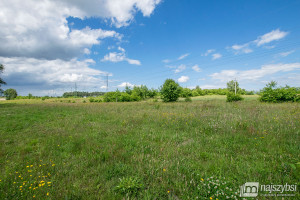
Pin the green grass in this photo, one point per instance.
(144, 150)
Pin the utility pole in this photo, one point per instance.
(75, 89)
(106, 82)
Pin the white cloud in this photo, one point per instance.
(255, 74)
(271, 36)
(119, 57)
(86, 51)
(183, 56)
(40, 29)
(216, 56)
(261, 40)
(41, 74)
(196, 68)
(208, 52)
(183, 79)
(124, 84)
(242, 48)
(284, 54)
(166, 61)
(180, 68)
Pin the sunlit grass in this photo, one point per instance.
(144, 150)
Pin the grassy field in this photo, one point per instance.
(203, 149)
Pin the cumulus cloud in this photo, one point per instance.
(119, 57)
(40, 74)
(183, 79)
(39, 29)
(124, 84)
(196, 68)
(180, 68)
(254, 74)
(216, 56)
(183, 56)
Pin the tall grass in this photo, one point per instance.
(145, 150)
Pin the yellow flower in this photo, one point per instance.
(47, 193)
(31, 165)
(164, 170)
(27, 166)
(202, 179)
(168, 191)
(29, 187)
(53, 165)
(48, 182)
(210, 197)
(33, 196)
(21, 186)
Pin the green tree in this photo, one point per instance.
(170, 91)
(2, 82)
(231, 86)
(10, 94)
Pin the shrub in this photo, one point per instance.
(186, 92)
(10, 94)
(233, 97)
(170, 91)
(281, 94)
(92, 100)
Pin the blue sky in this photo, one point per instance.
(206, 43)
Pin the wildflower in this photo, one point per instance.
(202, 179)
(53, 165)
(164, 169)
(14, 182)
(210, 197)
(48, 183)
(27, 166)
(29, 187)
(31, 165)
(168, 191)
(47, 193)
(33, 196)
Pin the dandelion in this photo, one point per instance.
(164, 169)
(47, 193)
(210, 198)
(202, 179)
(168, 191)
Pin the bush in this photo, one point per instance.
(10, 94)
(92, 100)
(233, 97)
(281, 94)
(170, 91)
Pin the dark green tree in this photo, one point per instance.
(10, 94)
(2, 82)
(170, 91)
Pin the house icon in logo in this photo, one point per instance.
(249, 189)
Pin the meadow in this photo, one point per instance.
(204, 149)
